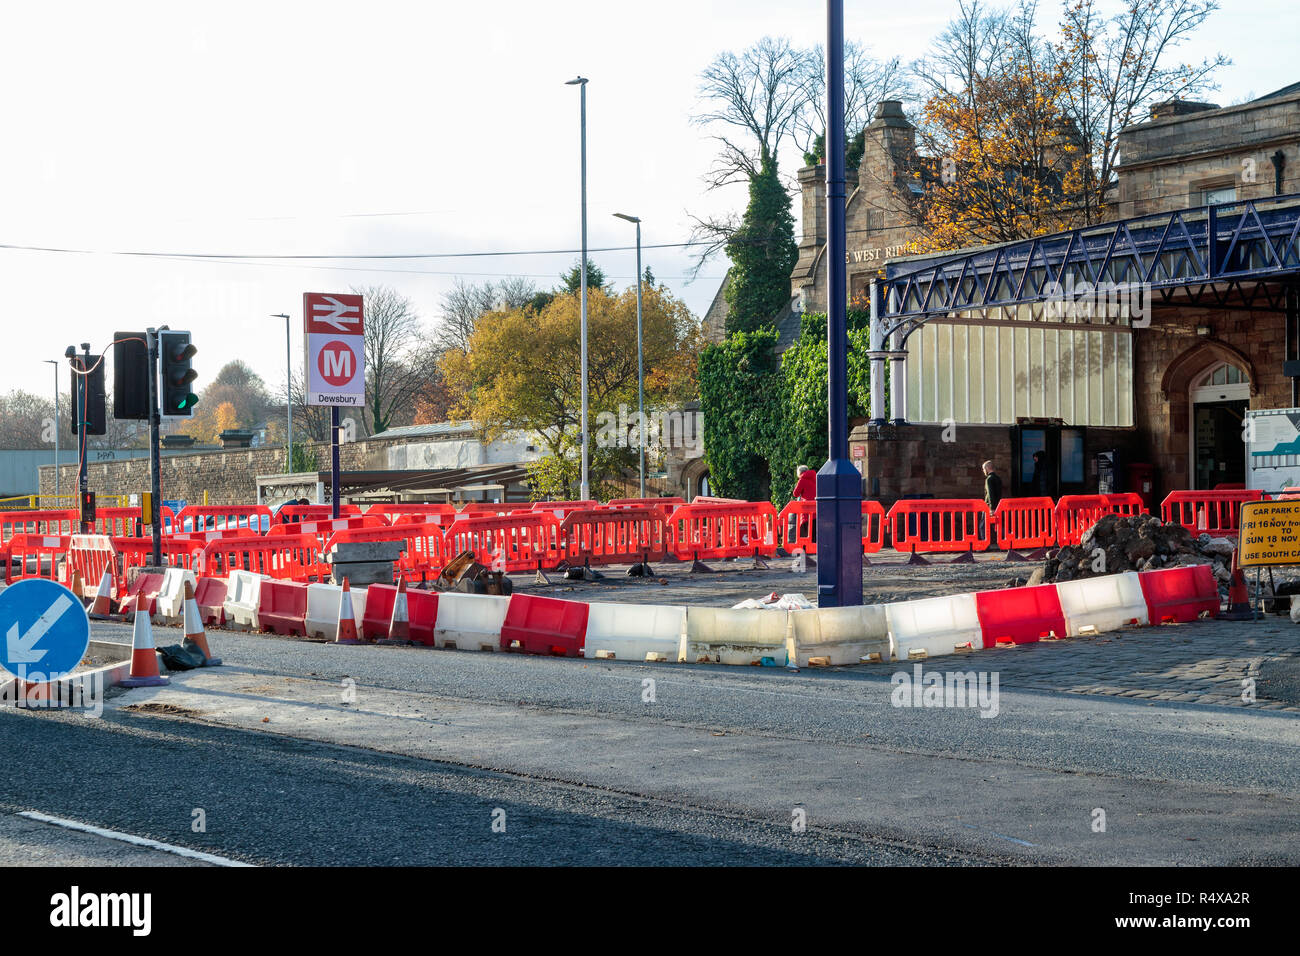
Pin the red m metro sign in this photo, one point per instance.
(334, 324)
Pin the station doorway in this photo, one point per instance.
(1219, 399)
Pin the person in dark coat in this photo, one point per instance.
(992, 487)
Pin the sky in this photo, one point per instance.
(287, 129)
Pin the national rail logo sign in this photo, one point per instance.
(334, 327)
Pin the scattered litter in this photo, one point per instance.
(783, 602)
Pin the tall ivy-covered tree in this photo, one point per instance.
(762, 252)
(739, 392)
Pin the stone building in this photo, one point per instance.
(1161, 398)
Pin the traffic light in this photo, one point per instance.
(87, 507)
(175, 373)
(93, 384)
(130, 376)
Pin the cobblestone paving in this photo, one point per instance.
(1204, 662)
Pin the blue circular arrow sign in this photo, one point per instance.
(44, 630)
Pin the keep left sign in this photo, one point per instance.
(44, 630)
(334, 327)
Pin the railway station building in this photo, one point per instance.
(1013, 353)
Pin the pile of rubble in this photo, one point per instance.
(1139, 543)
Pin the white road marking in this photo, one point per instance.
(128, 838)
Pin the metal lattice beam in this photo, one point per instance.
(1209, 254)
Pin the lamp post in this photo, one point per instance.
(581, 83)
(288, 389)
(640, 371)
(55, 363)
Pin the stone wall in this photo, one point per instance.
(916, 459)
(228, 477)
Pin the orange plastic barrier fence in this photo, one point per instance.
(38, 522)
(425, 553)
(437, 513)
(1025, 523)
(1216, 512)
(1075, 514)
(495, 508)
(740, 530)
(874, 522)
(37, 556)
(293, 513)
(666, 505)
(795, 524)
(1126, 503)
(518, 542)
(138, 553)
(92, 555)
(324, 528)
(562, 509)
(284, 557)
(614, 535)
(222, 517)
(939, 524)
(127, 522)
(206, 536)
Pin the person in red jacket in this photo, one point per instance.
(805, 488)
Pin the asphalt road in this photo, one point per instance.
(308, 753)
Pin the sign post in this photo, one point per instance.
(334, 339)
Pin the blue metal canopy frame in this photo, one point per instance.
(1242, 254)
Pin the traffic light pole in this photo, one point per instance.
(83, 425)
(155, 453)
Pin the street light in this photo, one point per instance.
(640, 372)
(55, 363)
(581, 82)
(288, 387)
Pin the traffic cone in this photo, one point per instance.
(347, 628)
(1239, 608)
(194, 632)
(144, 658)
(399, 628)
(77, 586)
(102, 609)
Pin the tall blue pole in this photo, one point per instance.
(839, 484)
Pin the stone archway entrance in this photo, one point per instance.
(1208, 388)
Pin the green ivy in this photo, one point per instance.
(764, 416)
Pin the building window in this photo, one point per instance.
(1216, 195)
(996, 372)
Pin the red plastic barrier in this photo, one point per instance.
(425, 553)
(562, 509)
(282, 557)
(542, 625)
(210, 596)
(1180, 594)
(138, 553)
(290, 514)
(723, 530)
(91, 555)
(1126, 503)
(519, 542)
(874, 522)
(282, 608)
(1215, 512)
(1075, 514)
(1025, 523)
(667, 505)
(38, 556)
(423, 609)
(127, 522)
(142, 595)
(440, 514)
(500, 509)
(617, 536)
(206, 536)
(379, 611)
(324, 528)
(221, 517)
(795, 524)
(1020, 615)
(939, 524)
(48, 522)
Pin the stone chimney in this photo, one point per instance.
(1177, 107)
